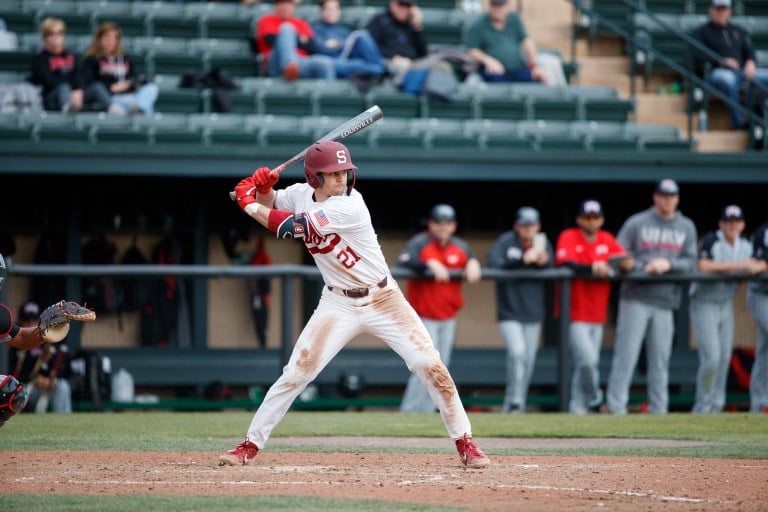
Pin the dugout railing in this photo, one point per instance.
(199, 364)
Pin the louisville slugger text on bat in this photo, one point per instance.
(341, 132)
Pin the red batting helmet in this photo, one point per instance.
(326, 157)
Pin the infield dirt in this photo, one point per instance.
(525, 483)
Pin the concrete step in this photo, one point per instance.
(721, 141)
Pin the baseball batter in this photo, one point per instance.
(711, 306)
(360, 295)
(659, 240)
(757, 301)
(587, 251)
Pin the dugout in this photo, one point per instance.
(74, 193)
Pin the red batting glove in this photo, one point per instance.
(265, 179)
(245, 192)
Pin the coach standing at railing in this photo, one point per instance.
(757, 300)
(660, 240)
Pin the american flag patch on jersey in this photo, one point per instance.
(321, 219)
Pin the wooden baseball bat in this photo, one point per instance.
(341, 132)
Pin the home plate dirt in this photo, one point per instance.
(525, 483)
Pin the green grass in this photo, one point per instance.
(97, 503)
(734, 435)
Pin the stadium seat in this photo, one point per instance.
(164, 128)
(18, 19)
(600, 136)
(223, 129)
(394, 102)
(596, 109)
(550, 135)
(333, 98)
(463, 106)
(186, 101)
(16, 60)
(503, 107)
(563, 108)
(284, 101)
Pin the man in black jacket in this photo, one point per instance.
(398, 32)
(737, 57)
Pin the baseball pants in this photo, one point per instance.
(416, 398)
(713, 325)
(384, 313)
(522, 341)
(635, 322)
(758, 384)
(585, 340)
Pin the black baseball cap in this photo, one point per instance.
(405, 2)
(590, 207)
(29, 311)
(442, 213)
(732, 212)
(498, 2)
(667, 187)
(526, 216)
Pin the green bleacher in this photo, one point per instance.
(168, 39)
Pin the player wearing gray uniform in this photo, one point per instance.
(360, 295)
(659, 240)
(711, 306)
(757, 300)
(520, 303)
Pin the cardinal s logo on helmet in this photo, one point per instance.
(327, 157)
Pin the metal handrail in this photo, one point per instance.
(686, 73)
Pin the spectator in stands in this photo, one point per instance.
(44, 369)
(54, 68)
(353, 53)
(505, 52)
(287, 45)
(659, 240)
(520, 303)
(735, 63)
(399, 34)
(588, 250)
(711, 306)
(437, 299)
(109, 76)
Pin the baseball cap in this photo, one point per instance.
(721, 3)
(498, 2)
(442, 213)
(590, 207)
(29, 311)
(732, 212)
(405, 2)
(667, 187)
(526, 216)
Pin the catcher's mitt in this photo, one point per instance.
(54, 320)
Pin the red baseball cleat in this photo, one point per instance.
(241, 454)
(470, 454)
(291, 71)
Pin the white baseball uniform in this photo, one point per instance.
(360, 297)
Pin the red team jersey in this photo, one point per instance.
(432, 299)
(589, 299)
(269, 24)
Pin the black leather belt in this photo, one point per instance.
(357, 293)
